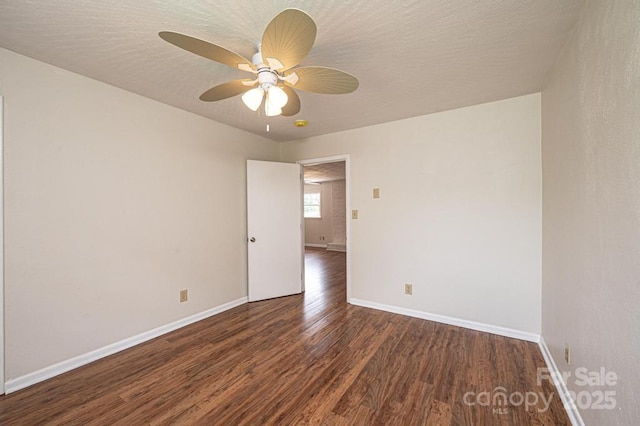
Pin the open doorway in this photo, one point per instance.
(326, 227)
(325, 219)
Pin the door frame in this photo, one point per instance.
(2, 357)
(347, 183)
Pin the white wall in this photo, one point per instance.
(338, 212)
(459, 215)
(591, 231)
(113, 203)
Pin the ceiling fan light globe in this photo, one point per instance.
(277, 97)
(271, 110)
(253, 98)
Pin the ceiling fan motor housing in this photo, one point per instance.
(266, 76)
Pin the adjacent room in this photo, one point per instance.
(303, 212)
(325, 208)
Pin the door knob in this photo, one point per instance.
(252, 239)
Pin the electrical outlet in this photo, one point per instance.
(183, 296)
(376, 192)
(408, 289)
(567, 353)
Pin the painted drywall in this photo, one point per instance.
(459, 215)
(338, 213)
(591, 215)
(113, 204)
(318, 231)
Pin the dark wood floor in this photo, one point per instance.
(304, 359)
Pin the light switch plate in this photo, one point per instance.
(376, 192)
(354, 214)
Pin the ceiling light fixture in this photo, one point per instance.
(253, 98)
(286, 41)
(275, 97)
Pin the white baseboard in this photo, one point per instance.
(336, 247)
(478, 326)
(315, 245)
(80, 360)
(569, 406)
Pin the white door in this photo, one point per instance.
(274, 225)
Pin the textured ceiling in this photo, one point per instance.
(411, 57)
(324, 172)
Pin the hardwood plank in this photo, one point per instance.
(316, 399)
(303, 359)
(439, 414)
(368, 389)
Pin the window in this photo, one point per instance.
(312, 204)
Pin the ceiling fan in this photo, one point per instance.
(286, 41)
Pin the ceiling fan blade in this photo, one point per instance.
(288, 38)
(226, 90)
(324, 80)
(293, 104)
(207, 50)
